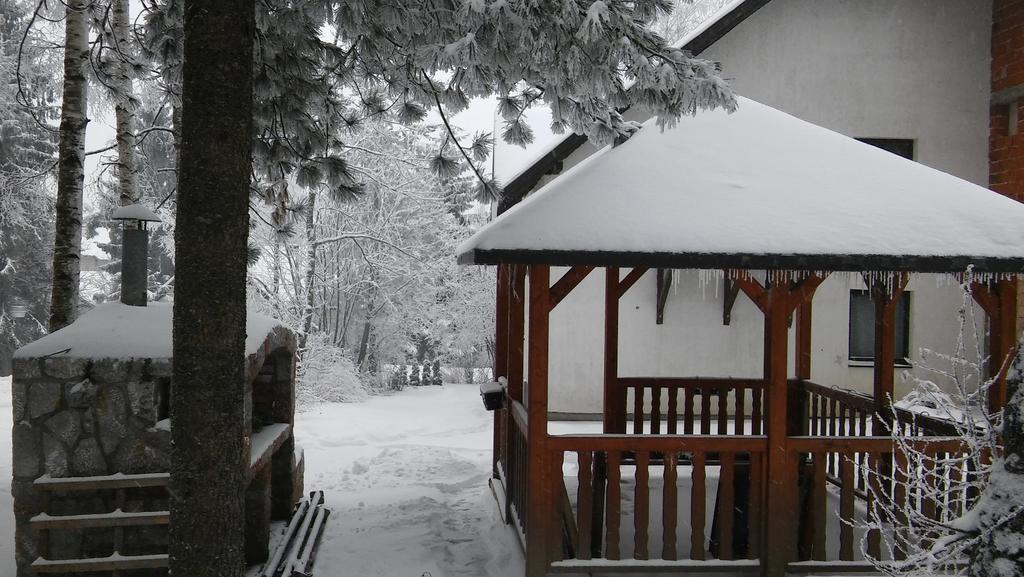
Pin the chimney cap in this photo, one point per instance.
(135, 212)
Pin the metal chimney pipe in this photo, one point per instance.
(134, 252)
(134, 268)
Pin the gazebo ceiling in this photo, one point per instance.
(757, 189)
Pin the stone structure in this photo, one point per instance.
(98, 414)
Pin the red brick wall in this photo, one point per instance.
(1006, 150)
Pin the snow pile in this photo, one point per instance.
(119, 331)
(757, 182)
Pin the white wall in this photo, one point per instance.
(693, 341)
(867, 68)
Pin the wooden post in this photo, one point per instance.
(999, 300)
(501, 355)
(781, 511)
(501, 324)
(1003, 341)
(886, 294)
(540, 530)
(803, 340)
(614, 399)
(780, 499)
(799, 425)
(517, 326)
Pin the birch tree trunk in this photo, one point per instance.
(307, 309)
(124, 107)
(210, 453)
(67, 242)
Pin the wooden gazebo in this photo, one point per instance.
(776, 205)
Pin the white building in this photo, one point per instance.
(910, 75)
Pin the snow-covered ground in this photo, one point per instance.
(6, 503)
(405, 477)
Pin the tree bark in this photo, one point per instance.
(209, 450)
(67, 242)
(124, 107)
(307, 309)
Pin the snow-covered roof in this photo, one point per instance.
(135, 212)
(119, 331)
(755, 189)
(514, 162)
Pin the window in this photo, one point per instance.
(862, 328)
(899, 146)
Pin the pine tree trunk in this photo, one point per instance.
(124, 109)
(67, 242)
(1001, 507)
(209, 451)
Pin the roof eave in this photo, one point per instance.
(804, 262)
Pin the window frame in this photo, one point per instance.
(901, 357)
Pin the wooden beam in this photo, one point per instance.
(803, 289)
(749, 261)
(751, 287)
(540, 530)
(630, 280)
(732, 290)
(570, 280)
(664, 284)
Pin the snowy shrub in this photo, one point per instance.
(920, 537)
(327, 374)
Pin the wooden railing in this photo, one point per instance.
(733, 405)
(602, 513)
(514, 465)
(867, 470)
(839, 412)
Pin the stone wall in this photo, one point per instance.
(77, 417)
(81, 417)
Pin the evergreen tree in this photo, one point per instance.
(436, 373)
(572, 55)
(27, 151)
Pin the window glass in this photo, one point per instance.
(862, 327)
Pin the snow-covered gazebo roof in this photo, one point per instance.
(757, 189)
